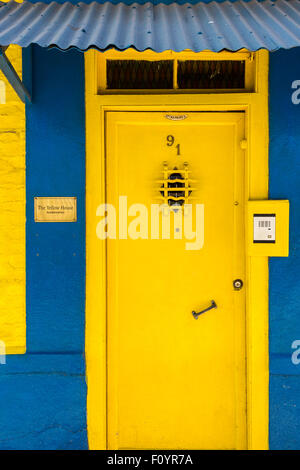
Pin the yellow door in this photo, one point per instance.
(175, 381)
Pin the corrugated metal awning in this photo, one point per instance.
(214, 26)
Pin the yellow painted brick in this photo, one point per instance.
(12, 153)
(14, 235)
(8, 136)
(12, 332)
(12, 158)
(15, 213)
(11, 196)
(7, 197)
(10, 219)
(13, 176)
(10, 108)
(13, 298)
(17, 260)
(11, 122)
(11, 95)
(14, 209)
(14, 54)
(15, 248)
(11, 270)
(12, 214)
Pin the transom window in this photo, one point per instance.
(170, 72)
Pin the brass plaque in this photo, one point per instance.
(55, 209)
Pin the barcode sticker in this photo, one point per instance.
(264, 228)
(264, 223)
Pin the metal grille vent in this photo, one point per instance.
(175, 186)
(211, 74)
(139, 74)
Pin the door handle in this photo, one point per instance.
(196, 315)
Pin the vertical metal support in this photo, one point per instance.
(27, 69)
(12, 77)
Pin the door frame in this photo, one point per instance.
(255, 106)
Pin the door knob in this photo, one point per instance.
(196, 314)
(238, 284)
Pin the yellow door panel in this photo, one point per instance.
(174, 381)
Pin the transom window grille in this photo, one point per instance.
(139, 74)
(211, 74)
(176, 72)
(159, 75)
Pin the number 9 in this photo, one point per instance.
(170, 140)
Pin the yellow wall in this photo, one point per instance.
(12, 212)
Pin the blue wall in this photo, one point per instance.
(43, 393)
(285, 272)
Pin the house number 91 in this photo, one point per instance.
(171, 141)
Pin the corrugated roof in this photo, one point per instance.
(215, 26)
